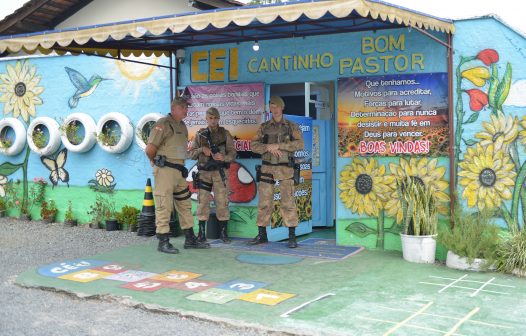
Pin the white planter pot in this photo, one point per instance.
(461, 263)
(519, 273)
(419, 249)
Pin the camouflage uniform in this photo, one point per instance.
(170, 138)
(290, 139)
(209, 176)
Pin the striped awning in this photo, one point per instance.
(160, 35)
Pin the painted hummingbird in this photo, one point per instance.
(83, 86)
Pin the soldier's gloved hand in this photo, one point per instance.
(274, 150)
(207, 151)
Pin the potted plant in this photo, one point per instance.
(48, 211)
(511, 254)
(2, 207)
(39, 138)
(108, 137)
(69, 217)
(127, 217)
(109, 215)
(472, 242)
(420, 221)
(96, 212)
(71, 132)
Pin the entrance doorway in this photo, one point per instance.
(316, 100)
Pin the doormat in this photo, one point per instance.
(309, 248)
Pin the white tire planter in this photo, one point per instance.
(461, 263)
(20, 136)
(419, 249)
(53, 131)
(126, 135)
(90, 129)
(140, 125)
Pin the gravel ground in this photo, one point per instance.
(25, 311)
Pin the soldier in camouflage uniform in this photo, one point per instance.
(166, 149)
(276, 141)
(213, 161)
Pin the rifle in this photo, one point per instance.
(212, 163)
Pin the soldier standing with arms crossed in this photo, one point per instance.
(276, 141)
(213, 147)
(167, 150)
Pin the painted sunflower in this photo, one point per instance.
(364, 186)
(522, 134)
(488, 177)
(424, 171)
(20, 91)
(501, 131)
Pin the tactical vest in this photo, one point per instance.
(218, 139)
(276, 133)
(175, 142)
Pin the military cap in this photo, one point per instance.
(276, 100)
(213, 112)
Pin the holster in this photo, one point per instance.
(195, 179)
(160, 161)
(264, 177)
(297, 173)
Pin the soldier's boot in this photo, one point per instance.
(192, 242)
(201, 235)
(292, 237)
(223, 232)
(261, 238)
(164, 244)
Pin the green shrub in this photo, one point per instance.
(127, 215)
(511, 253)
(473, 236)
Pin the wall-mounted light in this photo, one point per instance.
(255, 46)
(179, 55)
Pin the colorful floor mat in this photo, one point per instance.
(308, 248)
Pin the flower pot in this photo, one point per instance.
(2, 213)
(419, 249)
(94, 225)
(461, 263)
(70, 223)
(48, 220)
(132, 227)
(519, 272)
(112, 225)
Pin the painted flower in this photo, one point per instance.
(20, 91)
(365, 186)
(424, 171)
(500, 131)
(522, 134)
(477, 99)
(3, 182)
(477, 75)
(488, 177)
(104, 177)
(488, 56)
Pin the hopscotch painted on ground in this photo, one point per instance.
(424, 311)
(483, 286)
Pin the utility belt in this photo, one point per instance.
(160, 161)
(269, 178)
(214, 167)
(284, 164)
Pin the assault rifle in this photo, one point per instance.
(213, 164)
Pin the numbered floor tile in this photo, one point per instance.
(194, 286)
(215, 295)
(176, 276)
(244, 286)
(266, 297)
(85, 276)
(111, 268)
(131, 276)
(146, 285)
(67, 267)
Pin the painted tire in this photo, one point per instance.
(126, 132)
(54, 135)
(89, 133)
(142, 122)
(20, 136)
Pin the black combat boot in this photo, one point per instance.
(261, 238)
(201, 236)
(292, 237)
(223, 234)
(164, 244)
(191, 240)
